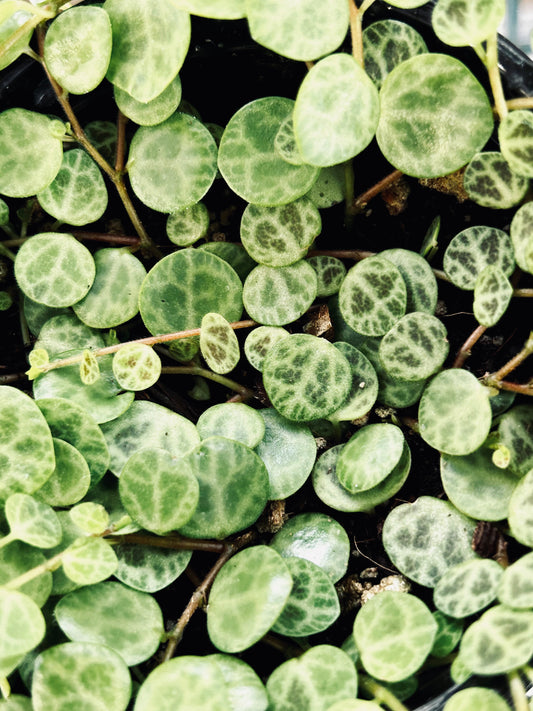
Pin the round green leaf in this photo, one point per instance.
(426, 538)
(233, 488)
(386, 44)
(306, 377)
(90, 517)
(476, 697)
(407, 4)
(394, 633)
(500, 641)
(321, 676)
(336, 99)
(313, 604)
(27, 457)
(515, 135)
(364, 390)
(89, 560)
(419, 279)
(186, 163)
(147, 425)
(22, 627)
(490, 181)
(15, 14)
(522, 237)
(16, 702)
(152, 112)
(54, 269)
(288, 450)
(77, 49)
(373, 296)
(17, 558)
(330, 273)
(275, 296)
(474, 249)
(449, 633)
(516, 584)
(136, 366)
(114, 295)
(30, 152)
(89, 676)
(520, 513)
(260, 580)
(159, 493)
(234, 254)
(103, 136)
(329, 188)
(245, 689)
(216, 9)
(186, 226)
(144, 60)
(234, 420)
(147, 568)
(187, 682)
(259, 341)
(454, 413)
(280, 235)
(492, 295)
(370, 456)
(248, 161)
(315, 537)
(127, 621)
(468, 587)
(355, 705)
(514, 432)
(32, 522)
(184, 286)
(412, 134)
(462, 24)
(218, 343)
(78, 194)
(279, 26)
(415, 347)
(285, 142)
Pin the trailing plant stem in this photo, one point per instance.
(356, 29)
(511, 365)
(518, 692)
(362, 200)
(495, 77)
(169, 542)
(381, 694)
(244, 392)
(466, 349)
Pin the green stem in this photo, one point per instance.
(381, 694)
(495, 77)
(48, 566)
(7, 539)
(243, 391)
(7, 252)
(356, 29)
(518, 692)
(525, 102)
(5, 689)
(169, 542)
(9, 230)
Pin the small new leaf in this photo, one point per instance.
(89, 369)
(38, 359)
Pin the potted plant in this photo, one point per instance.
(265, 421)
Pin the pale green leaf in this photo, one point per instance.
(136, 366)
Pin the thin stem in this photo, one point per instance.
(356, 32)
(518, 692)
(11, 378)
(7, 252)
(9, 230)
(466, 349)
(7, 539)
(381, 694)
(48, 566)
(512, 364)
(495, 77)
(199, 596)
(243, 391)
(524, 102)
(121, 142)
(5, 689)
(169, 542)
(526, 389)
(362, 200)
(126, 240)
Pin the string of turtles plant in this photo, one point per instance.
(106, 495)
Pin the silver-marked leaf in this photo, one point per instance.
(426, 538)
(216, 9)
(22, 627)
(30, 152)
(54, 269)
(522, 237)
(89, 368)
(143, 61)
(313, 604)
(407, 4)
(330, 273)
(94, 677)
(16, 16)
(476, 697)
(32, 522)
(280, 235)
(490, 181)
(90, 517)
(474, 249)
(386, 44)
(514, 430)
(147, 425)
(515, 135)
(419, 279)
(103, 136)
(411, 133)
(454, 412)
(186, 163)
(147, 568)
(113, 297)
(301, 30)
(468, 587)
(358, 704)
(285, 143)
(62, 584)
(246, 691)
(16, 702)
(234, 420)
(259, 341)
(136, 366)
(520, 512)
(516, 584)
(38, 314)
(369, 456)
(232, 253)
(64, 334)
(476, 486)
(492, 295)
(336, 111)
(187, 682)
(77, 49)
(127, 621)
(188, 225)
(233, 488)
(152, 112)
(248, 161)
(373, 296)
(78, 194)
(315, 537)
(218, 343)
(17, 558)
(398, 393)
(394, 633)
(89, 560)
(159, 492)
(461, 24)
(276, 296)
(329, 188)
(449, 633)
(27, 457)
(500, 641)
(364, 390)
(182, 287)
(415, 347)
(288, 450)
(259, 578)
(320, 677)
(306, 377)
